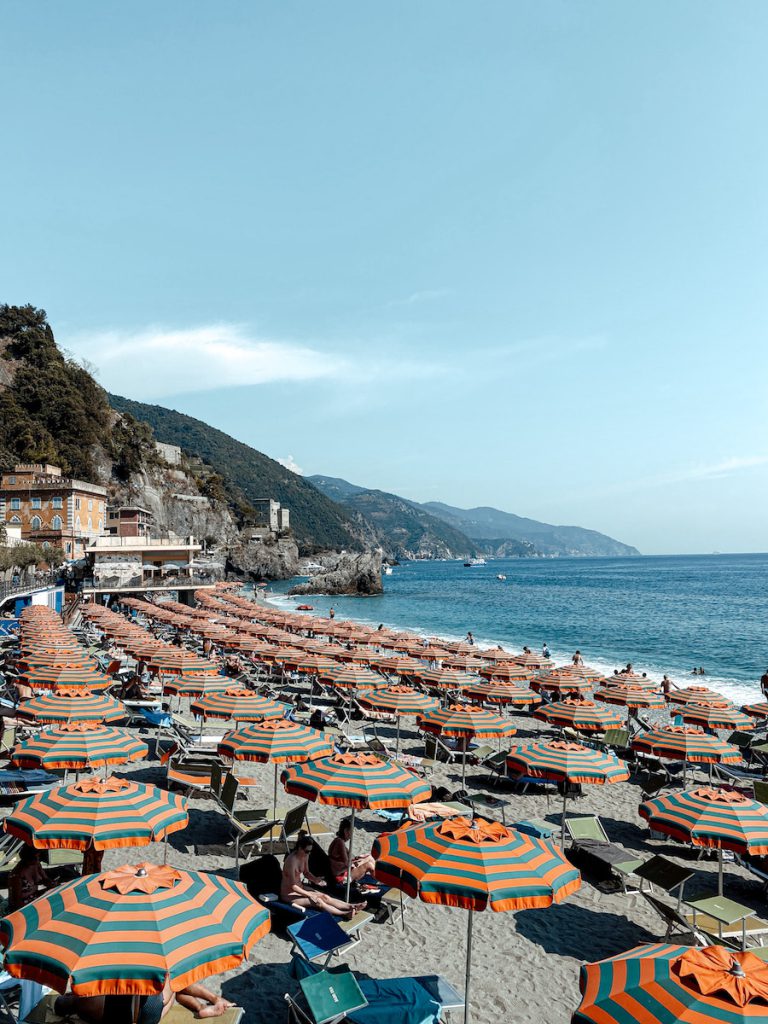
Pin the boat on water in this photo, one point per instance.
(471, 562)
(500, 576)
(387, 570)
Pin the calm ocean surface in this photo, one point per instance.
(664, 614)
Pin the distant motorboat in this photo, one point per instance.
(471, 562)
(500, 576)
(387, 570)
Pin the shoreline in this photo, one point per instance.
(737, 690)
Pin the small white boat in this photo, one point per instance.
(471, 562)
(387, 570)
(500, 576)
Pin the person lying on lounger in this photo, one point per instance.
(338, 854)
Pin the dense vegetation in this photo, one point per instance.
(246, 475)
(51, 409)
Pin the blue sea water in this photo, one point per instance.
(664, 613)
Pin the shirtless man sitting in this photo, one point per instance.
(296, 871)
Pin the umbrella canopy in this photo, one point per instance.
(98, 813)
(67, 705)
(126, 931)
(79, 745)
(399, 700)
(563, 761)
(52, 677)
(496, 691)
(506, 670)
(686, 743)
(715, 714)
(353, 678)
(474, 864)
(709, 817)
(630, 696)
(465, 721)
(443, 678)
(276, 740)
(756, 710)
(355, 780)
(558, 682)
(720, 819)
(238, 704)
(693, 694)
(196, 685)
(666, 984)
(582, 715)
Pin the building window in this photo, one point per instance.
(56, 523)
(15, 520)
(16, 504)
(36, 523)
(78, 524)
(90, 506)
(57, 503)
(77, 503)
(37, 503)
(11, 479)
(101, 525)
(90, 523)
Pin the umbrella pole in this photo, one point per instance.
(463, 767)
(397, 741)
(562, 820)
(349, 866)
(274, 796)
(468, 976)
(720, 870)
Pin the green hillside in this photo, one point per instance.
(247, 475)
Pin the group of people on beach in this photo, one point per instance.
(297, 874)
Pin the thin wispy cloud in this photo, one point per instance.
(156, 361)
(685, 474)
(425, 295)
(290, 463)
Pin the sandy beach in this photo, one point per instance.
(526, 964)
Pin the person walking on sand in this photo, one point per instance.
(470, 639)
(331, 614)
(666, 684)
(545, 650)
(577, 658)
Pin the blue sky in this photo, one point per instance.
(503, 253)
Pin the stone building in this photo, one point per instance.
(52, 509)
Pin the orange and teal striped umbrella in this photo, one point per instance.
(631, 696)
(353, 678)
(79, 745)
(399, 700)
(276, 740)
(686, 743)
(196, 684)
(756, 710)
(130, 930)
(238, 704)
(98, 813)
(499, 692)
(465, 663)
(667, 984)
(720, 819)
(562, 761)
(53, 676)
(693, 695)
(715, 714)
(67, 705)
(582, 715)
(466, 721)
(475, 865)
(445, 678)
(558, 682)
(355, 780)
(399, 666)
(506, 670)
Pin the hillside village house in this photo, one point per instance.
(52, 509)
(129, 521)
(141, 563)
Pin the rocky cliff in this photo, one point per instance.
(347, 573)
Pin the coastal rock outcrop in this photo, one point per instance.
(347, 573)
(267, 560)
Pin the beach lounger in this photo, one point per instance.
(616, 740)
(418, 1000)
(262, 878)
(705, 929)
(323, 936)
(592, 850)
